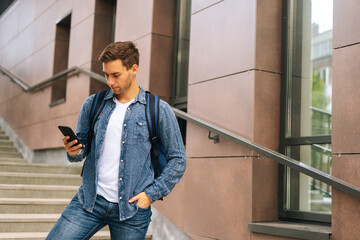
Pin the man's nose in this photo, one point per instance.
(110, 80)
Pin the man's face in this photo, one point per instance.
(118, 77)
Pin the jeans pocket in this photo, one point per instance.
(142, 209)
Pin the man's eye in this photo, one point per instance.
(116, 76)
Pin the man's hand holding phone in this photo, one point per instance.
(70, 147)
(72, 144)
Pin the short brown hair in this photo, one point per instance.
(125, 51)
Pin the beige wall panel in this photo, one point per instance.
(44, 28)
(82, 11)
(173, 205)
(198, 145)
(64, 7)
(346, 20)
(267, 109)
(163, 17)
(195, 237)
(8, 89)
(198, 5)
(2, 29)
(13, 111)
(41, 65)
(81, 42)
(46, 134)
(144, 46)
(133, 19)
(268, 35)
(28, 109)
(77, 91)
(43, 5)
(345, 100)
(265, 190)
(26, 44)
(161, 71)
(226, 102)
(218, 198)
(14, 7)
(222, 40)
(345, 208)
(256, 236)
(26, 14)
(10, 23)
(24, 70)
(9, 52)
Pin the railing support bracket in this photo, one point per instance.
(215, 138)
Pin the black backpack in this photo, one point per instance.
(158, 158)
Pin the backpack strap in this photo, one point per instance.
(152, 119)
(97, 106)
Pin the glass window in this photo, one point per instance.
(61, 57)
(181, 61)
(307, 132)
(182, 54)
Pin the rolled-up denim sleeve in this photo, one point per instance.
(173, 145)
(82, 129)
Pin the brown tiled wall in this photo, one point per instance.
(346, 118)
(226, 186)
(27, 46)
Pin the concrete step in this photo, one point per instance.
(4, 137)
(27, 222)
(10, 153)
(11, 158)
(102, 235)
(30, 222)
(38, 168)
(33, 205)
(37, 191)
(6, 142)
(39, 179)
(8, 149)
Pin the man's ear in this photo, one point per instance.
(135, 68)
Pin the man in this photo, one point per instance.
(118, 184)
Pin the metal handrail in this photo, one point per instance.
(278, 157)
(48, 81)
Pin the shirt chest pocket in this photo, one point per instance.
(141, 131)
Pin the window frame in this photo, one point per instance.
(286, 85)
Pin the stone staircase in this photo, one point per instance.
(32, 196)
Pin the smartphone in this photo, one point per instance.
(67, 131)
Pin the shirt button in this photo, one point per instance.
(140, 124)
(124, 124)
(123, 142)
(128, 108)
(121, 160)
(120, 198)
(120, 179)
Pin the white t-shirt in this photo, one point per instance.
(110, 156)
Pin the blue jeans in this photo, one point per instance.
(77, 223)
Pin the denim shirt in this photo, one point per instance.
(135, 168)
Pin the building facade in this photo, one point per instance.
(279, 73)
